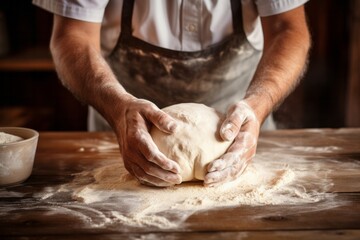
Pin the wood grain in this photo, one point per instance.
(62, 154)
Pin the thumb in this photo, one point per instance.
(231, 126)
(162, 120)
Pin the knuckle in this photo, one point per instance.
(161, 118)
(138, 135)
(147, 105)
(149, 153)
(139, 174)
(155, 157)
(150, 156)
(148, 169)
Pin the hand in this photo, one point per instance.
(142, 157)
(242, 127)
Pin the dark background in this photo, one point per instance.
(32, 96)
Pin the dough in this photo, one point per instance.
(196, 141)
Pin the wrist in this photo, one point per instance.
(110, 101)
(260, 105)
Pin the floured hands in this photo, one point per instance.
(242, 126)
(142, 157)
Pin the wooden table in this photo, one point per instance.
(23, 215)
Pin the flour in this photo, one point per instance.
(107, 197)
(327, 149)
(11, 163)
(8, 138)
(265, 182)
(9, 160)
(103, 197)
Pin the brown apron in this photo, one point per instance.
(216, 76)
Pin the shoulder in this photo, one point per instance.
(273, 7)
(91, 11)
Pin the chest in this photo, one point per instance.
(188, 25)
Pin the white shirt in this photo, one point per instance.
(182, 25)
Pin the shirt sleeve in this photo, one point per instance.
(273, 7)
(85, 10)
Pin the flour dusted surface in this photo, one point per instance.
(265, 182)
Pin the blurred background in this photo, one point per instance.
(31, 94)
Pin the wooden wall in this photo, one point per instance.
(353, 89)
(321, 100)
(328, 96)
(30, 93)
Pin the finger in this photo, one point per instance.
(153, 170)
(230, 127)
(152, 153)
(232, 124)
(148, 168)
(145, 144)
(230, 173)
(243, 143)
(147, 179)
(236, 116)
(225, 161)
(160, 119)
(217, 178)
(135, 157)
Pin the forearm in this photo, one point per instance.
(280, 69)
(86, 74)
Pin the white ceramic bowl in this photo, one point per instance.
(17, 158)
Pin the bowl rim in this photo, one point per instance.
(34, 132)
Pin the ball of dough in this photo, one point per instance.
(196, 141)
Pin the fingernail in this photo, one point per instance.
(212, 169)
(179, 179)
(227, 132)
(209, 184)
(175, 179)
(175, 168)
(208, 180)
(216, 166)
(172, 126)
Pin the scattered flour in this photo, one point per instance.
(108, 197)
(265, 182)
(327, 149)
(8, 138)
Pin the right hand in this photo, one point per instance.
(142, 158)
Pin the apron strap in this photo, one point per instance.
(126, 17)
(237, 16)
(128, 7)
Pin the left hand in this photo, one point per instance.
(241, 126)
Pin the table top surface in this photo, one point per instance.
(42, 206)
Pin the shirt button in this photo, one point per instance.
(191, 27)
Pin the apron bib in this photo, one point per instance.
(216, 76)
